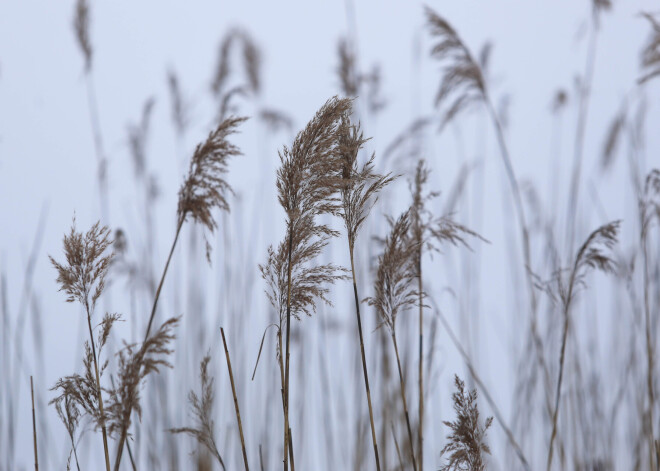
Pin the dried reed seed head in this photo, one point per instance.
(81, 390)
(346, 71)
(134, 365)
(137, 139)
(596, 252)
(81, 28)
(120, 243)
(251, 61)
(82, 277)
(614, 133)
(202, 409)
(394, 285)
(205, 187)
(307, 178)
(309, 283)
(466, 445)
(463, 78)
(559, 100)
(360, 185)
(650, 60)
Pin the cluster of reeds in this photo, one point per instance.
(328, 177)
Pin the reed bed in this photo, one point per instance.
(375, 305)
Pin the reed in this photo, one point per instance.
(359, 192)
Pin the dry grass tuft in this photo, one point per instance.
(651, 51)
(466, 447)
(251, 61)
(83, 275)
(360, 185)
(205, 186)
(202, 409)
(393, 289)
(134, 365)
(347, 69)
(463, 79)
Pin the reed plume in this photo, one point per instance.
(307, 186)
(394, 292)
(251, 58)
(202, 191)
(202, 409)
(466, 447)
(359, 192)
(594, 254)
(651, 52)
(82, 278)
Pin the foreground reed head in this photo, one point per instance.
(360, 185)
(393, 288)
(82, 276)
(205, 186)
(466, 445)
(307, 185)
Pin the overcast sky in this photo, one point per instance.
(47, 159)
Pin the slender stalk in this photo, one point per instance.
(364, 360)
(396, 444)
(585, 93)
(420, 431)
(98, 390)
(293, 463)
(286, 369)
(122, 438)
(34, 429)
(649, 356)
(162, 278)
(233, 391)
(405, 404)
(562, 353)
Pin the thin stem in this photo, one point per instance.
(364, 360)
(396, 444)
(34, 429)
(420, 432)
(649, 354)
(286, 369)
(98, 389)
(585, 93)
(293, 463)
(162, 278)
(233, 391)
(405, 404)
(122, 438)
(564, 336)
